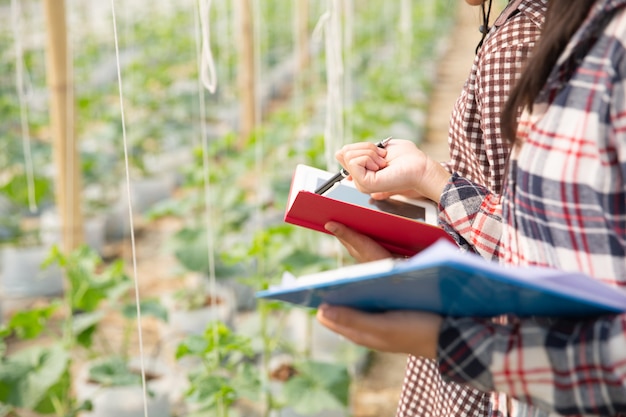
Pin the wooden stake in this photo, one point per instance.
(246, 70)
(302, 34)
(67, 181)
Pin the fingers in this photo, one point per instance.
(361, 156)
(407, 193)
(362, 328)
(396, 331)
(360, 247)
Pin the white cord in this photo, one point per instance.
(333, 132)
(201, 46)
(130, 215)
(207, 66)
(16, 21)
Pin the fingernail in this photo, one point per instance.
(331, 227)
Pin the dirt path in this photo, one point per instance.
(377, 393)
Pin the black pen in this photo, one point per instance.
(343, 173)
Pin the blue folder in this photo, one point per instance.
(443, 280)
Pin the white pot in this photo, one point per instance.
(23, 276)
(128, 401)
(185, 322)
(276, 388)
(146, 192)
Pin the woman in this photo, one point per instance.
(563, 206)
(478, 153)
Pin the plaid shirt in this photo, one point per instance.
(564, 206)
(479, 154)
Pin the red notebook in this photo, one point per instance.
(403, 226)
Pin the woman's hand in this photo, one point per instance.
(410, 332)
(400, 167)
(360, 247)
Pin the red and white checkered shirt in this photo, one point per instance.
(563, 206)
(478, 153)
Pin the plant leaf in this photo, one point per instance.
(27, 376)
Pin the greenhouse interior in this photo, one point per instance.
(146, 156)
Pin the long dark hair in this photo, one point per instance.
(563, 18)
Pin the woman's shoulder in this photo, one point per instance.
(518, 26)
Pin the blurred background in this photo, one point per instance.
(146, 153)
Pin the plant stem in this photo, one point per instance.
(266, 352)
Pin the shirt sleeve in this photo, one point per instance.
(498, 70)
(472, 215)
(571, 367)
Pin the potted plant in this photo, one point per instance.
(109, 377)
(225, 375)
(303, 387)
(23, 250)
(36, 378)
(197, 303)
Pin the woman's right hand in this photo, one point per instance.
(400, 167)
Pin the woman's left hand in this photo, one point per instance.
(410, 332)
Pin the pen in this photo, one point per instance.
(343, 173)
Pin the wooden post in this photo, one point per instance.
(67, 181)
(302, 34)
(246, 70)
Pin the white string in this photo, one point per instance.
(348, 85)
(333, 131)
(202, 45)
(257, 30)
(16, 21)
(207, 66)
(130, 214)
(70, 139)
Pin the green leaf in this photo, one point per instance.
(113, 372)
(84, 326)
(150, 307)
(28, 324)
(318, 386)
(28, 376)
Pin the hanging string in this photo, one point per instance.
(130, 214)
(257, 31)
(16, 21)
(70, 140)
(348, 34)
(207, 65)
(485, 12)
(202, 39)
(330, 24)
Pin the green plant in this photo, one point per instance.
(95, 291)
(311, 387)
(38, 378)
(227, 372)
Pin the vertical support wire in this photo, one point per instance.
(348, 42)
(334, 69)
(204, 57)
(70, 138)
(16, 24)
(130, 214)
